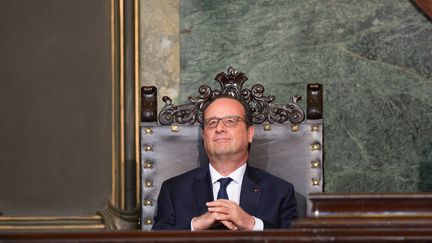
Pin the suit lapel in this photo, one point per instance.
(250, 192)
(202, 189)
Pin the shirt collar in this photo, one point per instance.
(236, 175)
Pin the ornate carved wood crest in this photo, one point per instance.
(231, 83)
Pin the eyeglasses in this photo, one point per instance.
(228, 121)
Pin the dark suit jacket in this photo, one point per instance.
(263, 195)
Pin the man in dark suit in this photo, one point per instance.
(247, 198)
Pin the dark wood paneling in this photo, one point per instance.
(376, 213)
(296, 235)
(425, 6)
(371, 203)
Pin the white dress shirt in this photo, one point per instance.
(233, 189)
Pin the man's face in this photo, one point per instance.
(229, 142)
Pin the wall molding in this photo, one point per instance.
(122, 208)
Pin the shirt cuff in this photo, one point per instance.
(192, 228)
(259, 224)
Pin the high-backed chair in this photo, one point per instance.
(285, 143)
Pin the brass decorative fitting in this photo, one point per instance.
(315, 182)
(295, 127)
(175, 128)
(148, 148)
(148, 130)
(267, 126)
(149, 221)
(148, 165)
(315, 128)
(315, 146)
(315, 164)
(148, 202)
(148, 184)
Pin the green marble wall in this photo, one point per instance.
(373, 57)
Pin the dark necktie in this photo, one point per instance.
(222, 194)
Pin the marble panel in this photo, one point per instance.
(373, 58)
(160, 47)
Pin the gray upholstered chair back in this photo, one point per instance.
(285, 143)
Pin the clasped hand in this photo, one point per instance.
(226, 212)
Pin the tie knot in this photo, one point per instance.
(224, 182)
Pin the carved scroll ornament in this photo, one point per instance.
(231, 83)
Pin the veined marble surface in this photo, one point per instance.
(373, 57)
(160, 47)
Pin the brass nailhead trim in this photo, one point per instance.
(315, 164)
(315, 146)
(148, 184)
(315, 128)
(148, 202)
(175, 128)
(148, 165)
(148, 148)
(295, 127)
(148, 221)
(315, 182)
(148, 130)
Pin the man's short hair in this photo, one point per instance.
(248, 114)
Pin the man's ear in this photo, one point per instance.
(251, 132)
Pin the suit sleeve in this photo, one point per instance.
(165, 214)
(288, 210)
